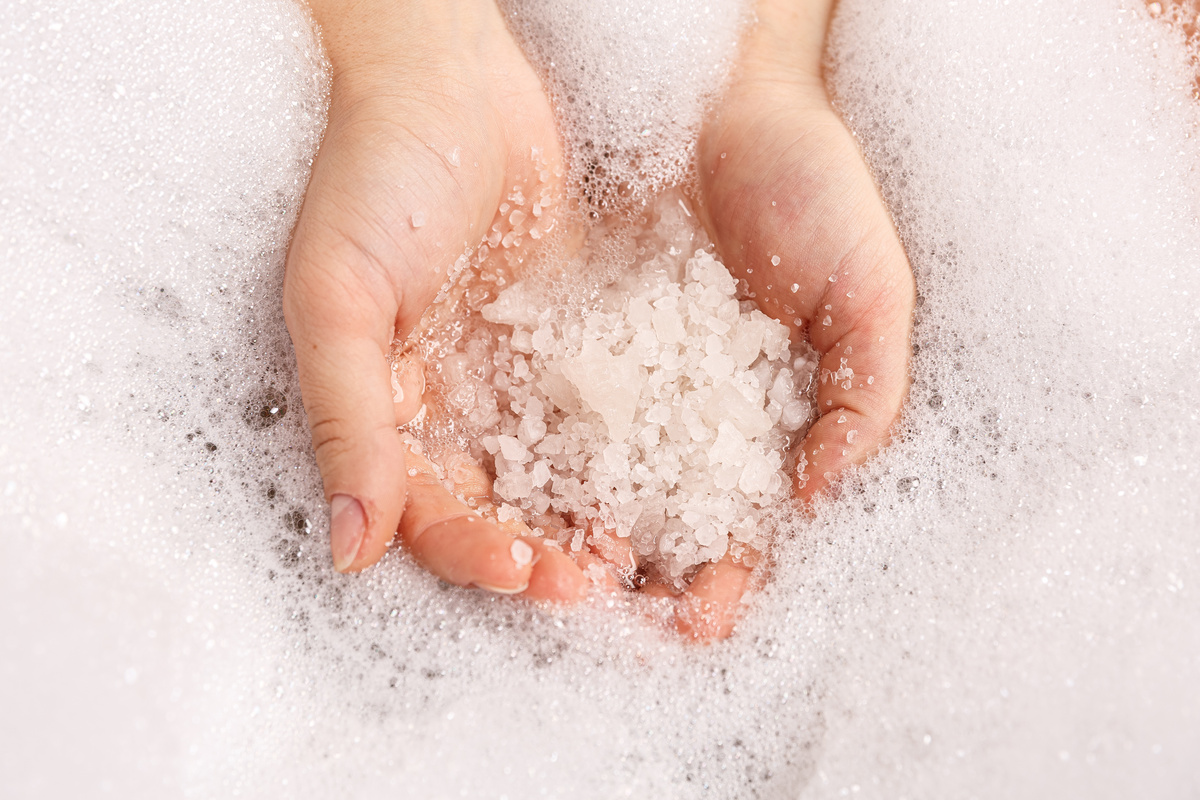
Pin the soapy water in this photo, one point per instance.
(1001, 604)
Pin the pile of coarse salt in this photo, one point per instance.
(664, 416)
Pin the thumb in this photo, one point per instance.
(341, 328)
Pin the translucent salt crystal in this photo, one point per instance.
(455, 156)
(719, 366)
(543, 340)
(851, 435)
(531, 430)
(747, 342)
(608, 385)
(668, 325)
(513, 306)
(727, 403)
(513, 486)
(512, 449)
(540, 474)
(775, 260)
(417, 219)
(794, 414)
(795, 288)
(827, 321)
(775, 340)
(522, 341)
(833, 278)
(729, 445)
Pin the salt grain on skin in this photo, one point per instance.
(521, 552)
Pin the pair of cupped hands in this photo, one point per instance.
(782, 190)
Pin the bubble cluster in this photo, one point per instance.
(630, 83)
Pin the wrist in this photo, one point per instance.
(788, 38)
(370, 43)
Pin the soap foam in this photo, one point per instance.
(1001, 604)
(629, 82)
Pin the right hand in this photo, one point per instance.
(434, 117)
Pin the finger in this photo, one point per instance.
(616, 551)
(455, 543)
(598, 571)
(862, 378)
(709, 609)
(556, 577)
(341, 340)
(469, 479)
(408, 387)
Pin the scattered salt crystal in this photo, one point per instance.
(775, 261)
(418, 219)
(827, 321)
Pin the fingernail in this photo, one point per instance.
(501, 589)
(347, 526)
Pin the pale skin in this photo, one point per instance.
(779, 175)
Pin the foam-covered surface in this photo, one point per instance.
(1003, 604)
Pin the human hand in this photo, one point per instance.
(790, 203)
(435, 116)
